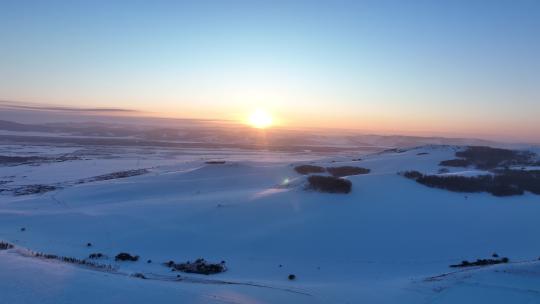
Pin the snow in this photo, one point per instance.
(379, 244)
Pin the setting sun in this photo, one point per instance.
(260, 119)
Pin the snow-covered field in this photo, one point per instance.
(390, 240)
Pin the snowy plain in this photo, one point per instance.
(390, 240)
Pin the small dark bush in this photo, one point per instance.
(123, 256)
(149, 261)
(138, 275)
(88, 244)
(346, 171)
(495, 255)
(481, 262)
(23, 229)
(412, 174)
(308, 169)
(96, 255)
(292, 277)
(329, 184)
(422, 153)
(5, 246)
(200, 266)
(215, 162)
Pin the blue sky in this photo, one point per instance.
(425, 67)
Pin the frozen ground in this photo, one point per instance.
(390, 240)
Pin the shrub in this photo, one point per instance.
(329, 184)
(5, 246)
(292, 277)
(215, 162)
(96, 255)
(200, 266)
(412, 174)
(481, 262)
(139, 275)
(123, 256)
(346, 171)
(308, 169)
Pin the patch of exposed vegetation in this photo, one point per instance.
(309, 169)
(71, 260)
(487, 158)
(200, 266)
(502, 183)
(124, 256)
(347, 171)
(20, 160)
(215, 162)
(33, 189)
(329, 184)
(5, 246)
(114, 175)
(97, 255)
(481, 262)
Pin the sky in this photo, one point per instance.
(456, 68)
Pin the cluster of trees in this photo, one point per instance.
(329, 184)
(309, 169)
(481, 262)
(347, 171)
(334, 171)
(72, 260)
(200, 266)
(124, 256)
(5, 246)
(487, 158)
(502, 183)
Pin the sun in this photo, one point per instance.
(260, 119)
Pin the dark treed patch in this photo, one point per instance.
(138, 275)
(486, 158)
(200, 266)
(71, 260)
(292, 277)
(329, 184)
(123, 256)
(215, 162)
(19, 160)
(114, 175)
(481, 262)
(455, 163)
(309, 169)
(412, 174)
(347, 171)
(502, 183)
(96, 255)
(33, 189)
(5, 246)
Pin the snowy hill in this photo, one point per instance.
(390, 240)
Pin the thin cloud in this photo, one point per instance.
(21, 106)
